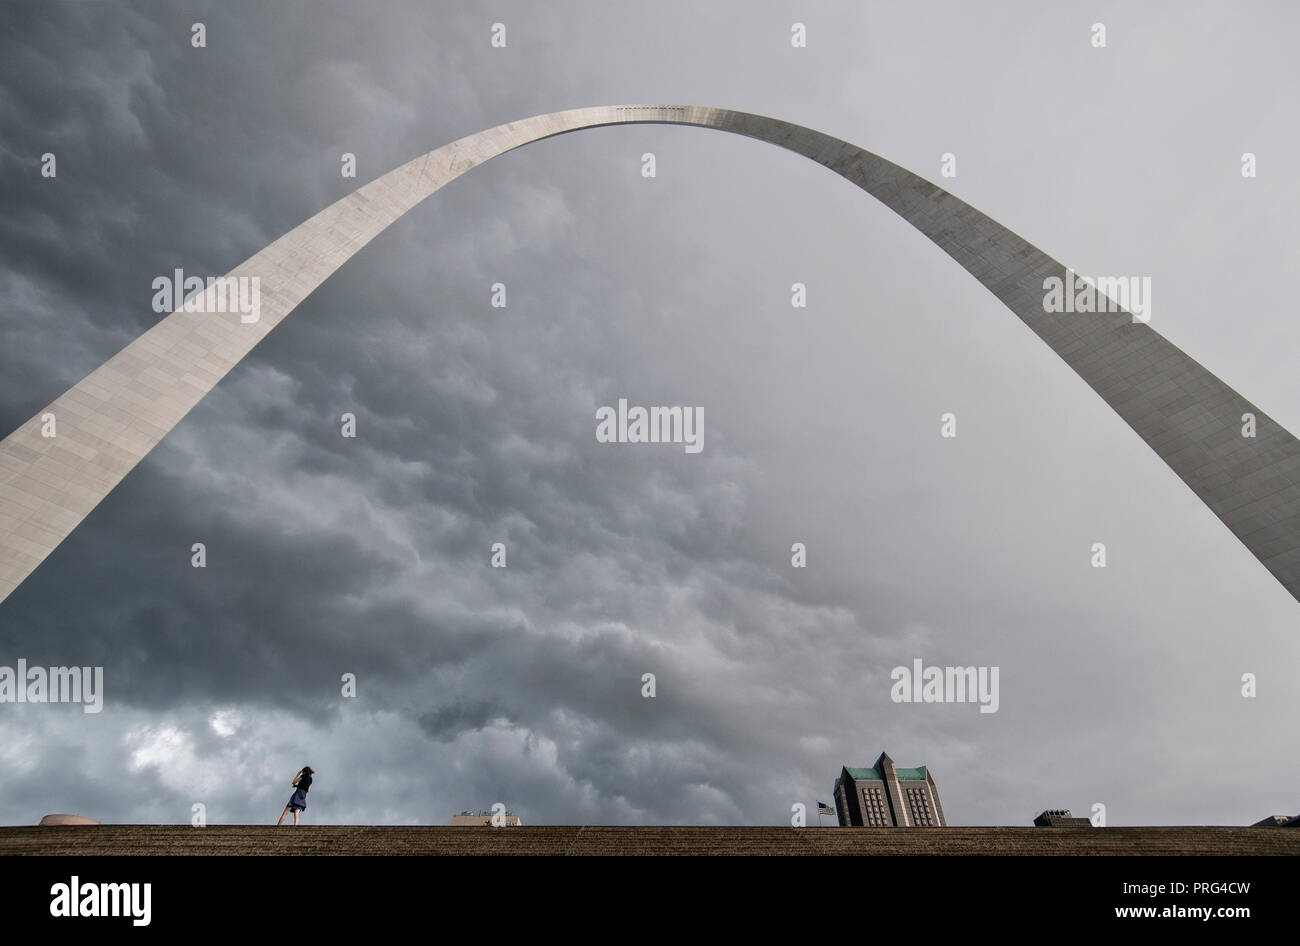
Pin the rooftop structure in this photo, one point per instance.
(480, 819)
(1060, 818)
(1278, 821)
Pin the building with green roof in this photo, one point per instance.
(886, 796)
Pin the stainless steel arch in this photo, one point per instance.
(117, 414)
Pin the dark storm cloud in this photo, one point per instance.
(370, 556)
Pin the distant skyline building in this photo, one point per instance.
(1278, 821)
(886, 796)
(483, 819)
(1060, 818)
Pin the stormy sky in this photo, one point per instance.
(522, 685)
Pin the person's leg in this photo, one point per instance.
(282, 814)
(296, 812)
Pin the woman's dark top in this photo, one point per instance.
(299, 797)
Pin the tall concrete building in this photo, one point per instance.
(885, 796)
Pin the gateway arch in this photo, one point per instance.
(110, 420)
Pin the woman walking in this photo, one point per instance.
(298, 801)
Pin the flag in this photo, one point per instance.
(824, 809)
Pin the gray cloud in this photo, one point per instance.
(370, 556)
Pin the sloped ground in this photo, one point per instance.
(245, 840)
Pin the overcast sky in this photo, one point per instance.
(522, 685)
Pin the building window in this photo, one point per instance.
(918, 802)
(875, 810)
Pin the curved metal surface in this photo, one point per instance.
(111, 419)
